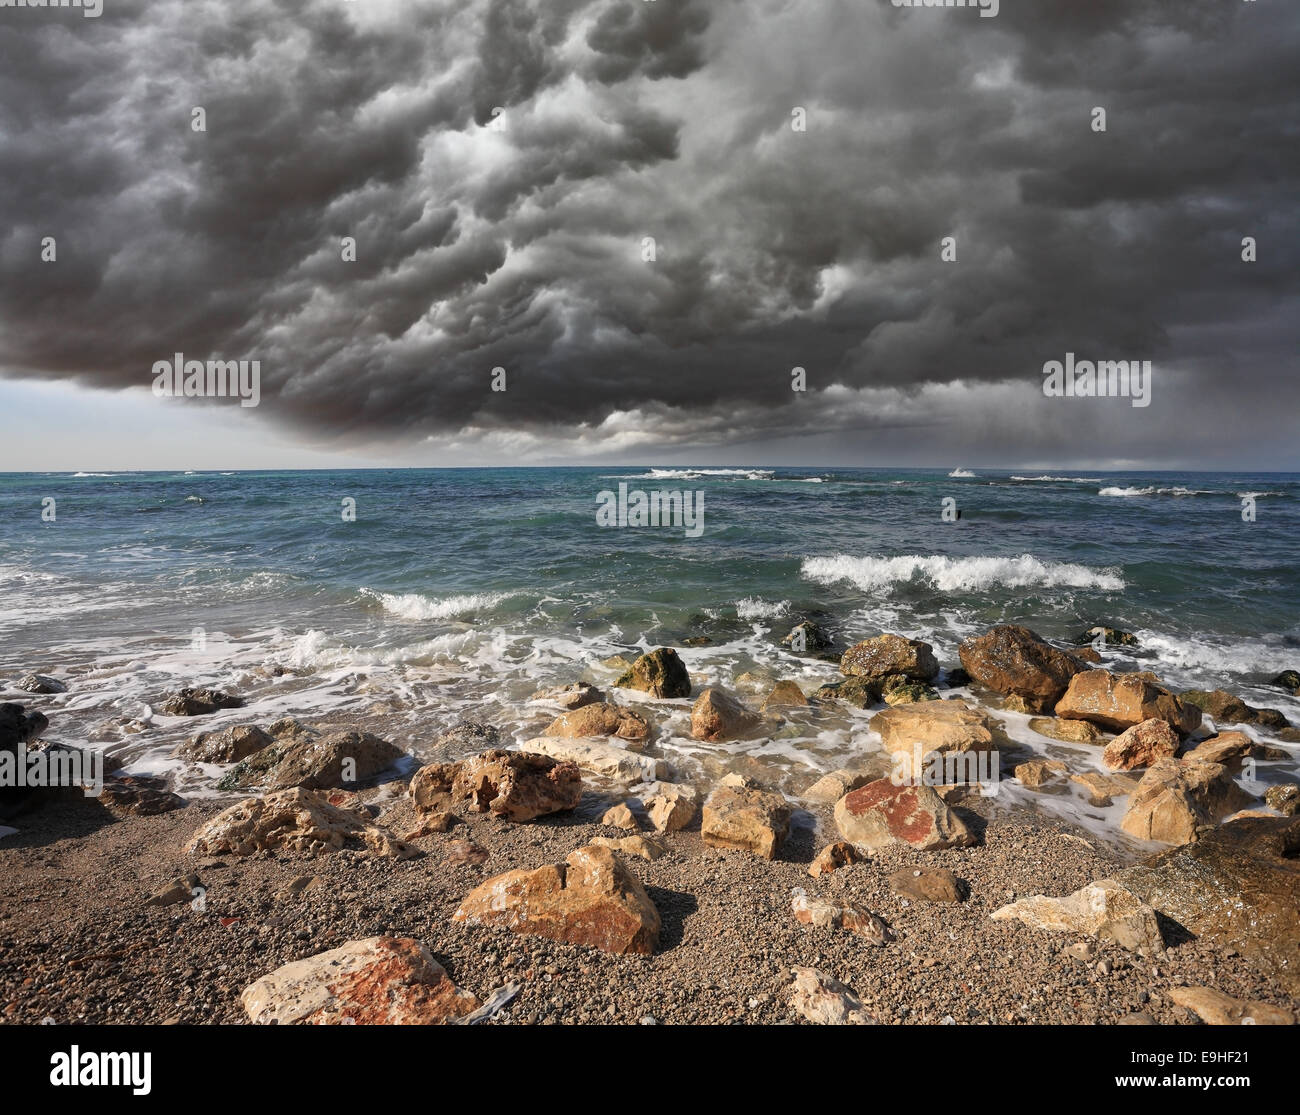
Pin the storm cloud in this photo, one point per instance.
(501, 164)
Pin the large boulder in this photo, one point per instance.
(881, 813)
(600, 720)
(1236, 888)
(198, 702)
(1176, 798)
(229, 745)
(383, 981)
(297, 820)
(1104, 909)
(1119, 701)
(1141, 745)
(660, 673)
(716, 715)
(339, 759)
(514, 785)
(1214, 1008)
(936, 726)
(1013, 660)
(590, 899)
(738, 814)
(599, 757)
(890, 654)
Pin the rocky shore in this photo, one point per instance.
(574, 877)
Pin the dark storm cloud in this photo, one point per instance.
(499, 163)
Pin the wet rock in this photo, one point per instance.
(1225, 708)
(660, 673)
(600, 757)
(380, 981)
(809, 638)
(1112, 636)
(1177, 797)
(1141, 745)
(336, 760)
(1104, 909)
(1103, 788)
(40, 683)
(880, 814)
(1217, 1009)
(1015, 661)
(785, 694)
(1284, 798)
(590, 899)
(600, 720)
(297, 820)
(229, 745)
(890, 654)
(907, 692)
(809, 910)
(1068, 731)
(1038, 772)
(570, 697)
(858, 692)
(1235, 887)
(737, 814)
(926, 884)
(717, 715)
(1230, 748)
(832, 857)
(825, 1001)
(1119, 701)
(198, 702)
(1288, 680)
(936, 726)
(513, 785)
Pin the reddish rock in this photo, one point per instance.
(1141, 745)
(381, 981)
(832, 857)
(1015, 661)
(590, 899)
(880, 814)
(510, 784)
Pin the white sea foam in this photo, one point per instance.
(700, 473)
(754, 608)
(1060, 479)
(962, 474)
(77, 474)
(968, 574)
(1152, 491)
(413, 605)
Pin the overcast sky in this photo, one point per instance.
(519, 243)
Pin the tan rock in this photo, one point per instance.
(831, 787)
(1119, 701)
(719, 716)
(600, 757)
(590, 899)
(641, 846)
(381, 981)
(880, 814)
(739, 815)
(809, 910)
(297, 820)
(825, 1001)
(671, 807)
(1175, 798)
(925, 884)
(1015, 661)
(513, 785)
(1230, 748)
(1038, 772)
(1102, 788)
(1285, 798)
(1103, 909)
(570, 697)
(1141, 745)
(619, 817)
(430, 823)
(1068, 731)
(832, 857)
(785, 694)
(600, 720)
(935, 726)
(1217, 1009)
(890, 654)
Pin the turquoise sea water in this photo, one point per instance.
(459, 592)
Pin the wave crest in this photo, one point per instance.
(968, 574)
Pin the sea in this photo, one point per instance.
(411, 599)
